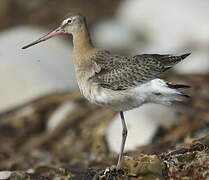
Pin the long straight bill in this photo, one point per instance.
(44, 38)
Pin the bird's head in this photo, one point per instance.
(73, 23)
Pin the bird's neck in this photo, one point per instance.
(82, 41)
(83, 49)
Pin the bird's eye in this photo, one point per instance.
(69, 21)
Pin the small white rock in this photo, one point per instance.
(59, 115)
(5, 174)
(30, 171)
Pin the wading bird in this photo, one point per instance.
(117, 82)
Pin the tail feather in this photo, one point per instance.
(185, 95)
(165, 93)
(177, 86)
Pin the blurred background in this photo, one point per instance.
(42, 80)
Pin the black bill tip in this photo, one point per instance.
(31, 44)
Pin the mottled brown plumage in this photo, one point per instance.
(124, 72)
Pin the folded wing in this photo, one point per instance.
(123, 72)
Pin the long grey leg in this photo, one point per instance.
(124, 135)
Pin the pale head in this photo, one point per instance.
(72, 24)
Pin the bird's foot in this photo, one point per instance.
(113, 171)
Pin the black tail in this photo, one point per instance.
(177, 86)
(185, 95)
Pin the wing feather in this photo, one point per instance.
(124, 72)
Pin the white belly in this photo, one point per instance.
(155, 91)
(115, 100)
